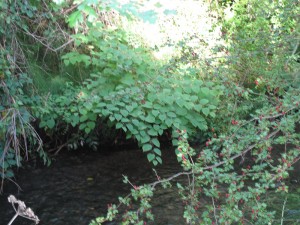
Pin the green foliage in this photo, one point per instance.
(130, 89)
(17, 136)
(240, 91)
(259, 110)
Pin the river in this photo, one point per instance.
(78, 186)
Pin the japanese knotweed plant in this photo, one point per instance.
(143, 111)
(129, 89)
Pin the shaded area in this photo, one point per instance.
(79, 184)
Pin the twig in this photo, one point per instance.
(215, 214)
(282, 213)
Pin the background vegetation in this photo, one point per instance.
(221, 73)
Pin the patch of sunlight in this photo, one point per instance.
(162, 25)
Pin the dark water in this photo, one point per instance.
(78, 186)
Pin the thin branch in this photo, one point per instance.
(282, 213)
(215, 214)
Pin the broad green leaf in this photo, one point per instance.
(155, 142)
(125, 120)
(83, 118)
(156, 127)
(193, 98)
(180, 102)
(204, 101)
(150, 119)
(83, 111)
(162, 116)
(146, 147)
(129, 108)
(105, 112)
(148, 105)
(152, 97)
(130, 127)
(124, 112)
(181, 111)
(205, 111)
(212, 107)
(205, 91)
(74, 18)
(152, 132)
(118, 116)
(212, 114)
(159, 160)
(160, 132)
(157, 151)
(119, 125)
(91, 125)
(87, 130)
(101, 104)
(82, 126)
(169, 122)
(150, 157)
(155, 113)
(50, 123)
(171, 114)
(127, 79)
(145, 139)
